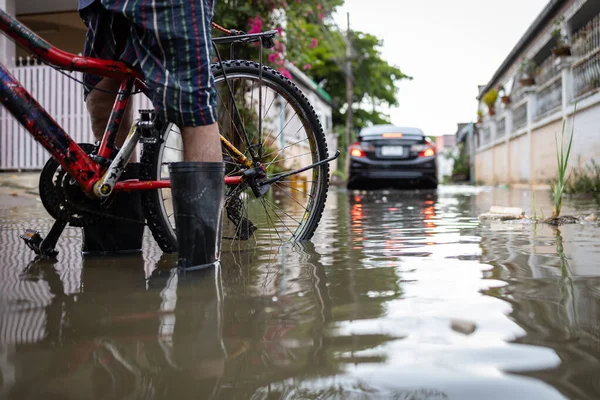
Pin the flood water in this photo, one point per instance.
(400, 295)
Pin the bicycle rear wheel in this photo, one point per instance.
(270, 117)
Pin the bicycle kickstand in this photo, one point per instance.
(45, 248)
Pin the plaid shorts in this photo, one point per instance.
(169, 42)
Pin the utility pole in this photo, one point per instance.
(349, 91)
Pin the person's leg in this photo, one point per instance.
(122, 229)
(100, 103)
(202, 143)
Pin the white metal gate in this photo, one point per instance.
(63, 99)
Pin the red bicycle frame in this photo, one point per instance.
(48, 132)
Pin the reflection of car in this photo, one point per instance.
(392, 155)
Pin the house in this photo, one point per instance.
(555, 65)
(465, 149)
(58, 22)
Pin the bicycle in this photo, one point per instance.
(80, 179)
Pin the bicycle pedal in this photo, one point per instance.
(32, 239)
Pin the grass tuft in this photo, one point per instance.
(584, 179)
(562, 158)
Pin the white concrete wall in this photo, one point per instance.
(491, 161)
(7, 46)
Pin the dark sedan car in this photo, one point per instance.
(394, 156)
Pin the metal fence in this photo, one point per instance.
(520, 117)
(485, 137)
(546, 71)
(586, 74)
(586, 52)
(501, 127)
(549, 97)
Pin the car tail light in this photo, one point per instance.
(430, 152)
(357, 149)
(424, 150)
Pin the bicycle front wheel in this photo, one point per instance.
(268, 119)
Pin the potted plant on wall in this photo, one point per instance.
(489, 98)
(561, 46)
(528, 69)
(479, 116)
(504, 97)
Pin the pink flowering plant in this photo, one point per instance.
(289, 17)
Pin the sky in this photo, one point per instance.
(447, 46)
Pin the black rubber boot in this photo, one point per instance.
(111, 236)
(197, 189)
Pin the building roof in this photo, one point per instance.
(534, 29)
(306, 80)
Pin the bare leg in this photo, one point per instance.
(202, 143)
(100, 104)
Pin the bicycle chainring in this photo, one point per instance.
(62, 197)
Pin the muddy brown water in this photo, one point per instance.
(401, 295)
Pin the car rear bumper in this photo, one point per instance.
(421, 169)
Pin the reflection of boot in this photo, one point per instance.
(197, 189)
(113, 299)
(118, 236)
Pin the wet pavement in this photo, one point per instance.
(400, 295)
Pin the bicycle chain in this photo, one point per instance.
(55, 197)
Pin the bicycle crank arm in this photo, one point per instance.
(104, 187)
(297, 171)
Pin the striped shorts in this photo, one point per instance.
(169, 42)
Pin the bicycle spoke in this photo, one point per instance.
(247, 216)
(281, 209)
(271, 131)
(270, 105)
(284, 107)
(295, 181)
(292, 197)
(280, 151)
(277, 215)
(237, 110)
(251, 97)
(287, 147)
(272, 223)
(283, 129)
(285, 159)
(293, 188)
(231, 121)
